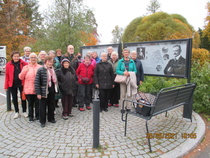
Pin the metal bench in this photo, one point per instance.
(166, 99)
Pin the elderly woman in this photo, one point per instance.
(85, 73)
(104, 81)
(139, 67)
(67, 84)
(58, 54)
(41, 57)
(28, 74)
(27, 51)
(45, 88)
(115, 92)
(56, 66)
(124, 67)
(12, 81)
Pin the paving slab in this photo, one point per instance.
(74, 137)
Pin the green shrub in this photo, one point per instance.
(201, 76)
(154, 84)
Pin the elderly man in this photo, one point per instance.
(27, 51)
(176, 66)
(109, 50)
(70, 56)
(139, 67)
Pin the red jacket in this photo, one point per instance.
(9, 74)
(85, 71)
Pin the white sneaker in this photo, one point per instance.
(25, 114)
(16, 115)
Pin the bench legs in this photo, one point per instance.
(166, 115)
(148, 137)
(126, 119)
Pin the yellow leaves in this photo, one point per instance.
(89, 39)
(200, 56)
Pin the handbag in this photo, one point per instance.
(120, 79)
(85, 79)
(143, 98)
(143, 110)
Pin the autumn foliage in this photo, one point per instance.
(200, 56)
(13, 25)
(89, 39)
(158, 26)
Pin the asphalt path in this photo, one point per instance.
(2, 91)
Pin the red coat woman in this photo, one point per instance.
(13, 83)
(85, 73)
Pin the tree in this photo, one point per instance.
(158, 26)
(66, 21)
(117, 34)
(206, 31)
(13, 25)
(32, 14)
(153, 7)
(205, 34)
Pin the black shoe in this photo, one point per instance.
(74, 105)
(31, 119)
(56, 106)
(101, 110)
(53, 121)
(43, 125)
(105, 110)
(37, 118)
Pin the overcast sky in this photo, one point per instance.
(109, 13)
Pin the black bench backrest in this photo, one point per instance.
(169, 98)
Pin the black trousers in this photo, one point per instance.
(14, 92)
(84, 94)
(67, 101)
(104, 95)
(115, 94)
(50, 103)
(33, 102)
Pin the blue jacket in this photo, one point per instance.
(121, 66)
(97, 59)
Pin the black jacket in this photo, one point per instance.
(140, 71)
(67, 81)
(41, 85)
(104, 75)
(74, 60)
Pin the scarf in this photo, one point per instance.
(50, 76)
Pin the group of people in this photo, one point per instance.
(46, 78)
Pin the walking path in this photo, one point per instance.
(72, 138)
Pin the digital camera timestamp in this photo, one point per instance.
(171, 135)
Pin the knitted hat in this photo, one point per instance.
(65, 60)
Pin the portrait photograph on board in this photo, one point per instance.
(164, 58)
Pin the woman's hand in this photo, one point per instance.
(126, 73)
(39, 96)
(97, 85)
